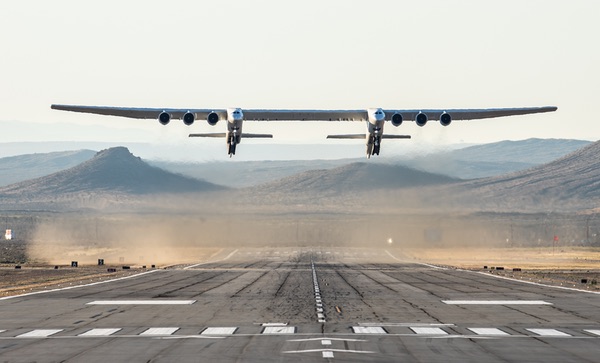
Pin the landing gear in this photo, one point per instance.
(376, 145)
(231, 143)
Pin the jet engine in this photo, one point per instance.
(164, 118)
(212, 118)
(421, 119)
(188, 118)
(396, 119)
(445, 119)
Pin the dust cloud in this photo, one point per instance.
(411, 225)
(176, 239)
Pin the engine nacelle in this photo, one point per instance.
(421, 119)
(445, 119)
(164, 118)
(188, 118)
(396, 119)
(212, 118)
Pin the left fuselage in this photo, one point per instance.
(235, 121)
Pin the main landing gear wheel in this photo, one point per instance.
(376, 146)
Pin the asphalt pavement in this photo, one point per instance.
(303, 305)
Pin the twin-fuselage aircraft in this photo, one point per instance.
(375, 119)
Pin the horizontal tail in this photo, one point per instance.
(363, 136)
(216, 134)
(245, 136)
(349, 136)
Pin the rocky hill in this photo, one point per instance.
(572, 181)
(14, 169)
(354, 177)
(112, 171)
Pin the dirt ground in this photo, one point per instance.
(574, 267)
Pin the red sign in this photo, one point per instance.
(555, 238)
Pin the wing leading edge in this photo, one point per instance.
(375, 119)
(306, 115)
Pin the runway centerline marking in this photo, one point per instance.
(328, 350)
(327, 354)
(39, 333)
(333, 339)
(142, 302)
(496, 302)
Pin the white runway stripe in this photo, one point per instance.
(591, 331)
(327, 354)
(159, 331)
(39, 333)
(142, 302)
(549, 332)
(219, 331)
(496, 302)
(488, 331)
(427, 331)
(279, 330)
(99, 332)
(368, 330)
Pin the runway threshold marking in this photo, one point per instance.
(427, 331)
(279, 330)
(39, 333)
(593, 331)
(99, 332)
(368, 330)
(496, 302)
(219, 331)
(142, 302)
(549, 332)
(159, 331)
(406, 324)
(488, 331)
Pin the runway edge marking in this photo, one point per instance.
(530, 282)
(417, 263)
(207, 262)
(78, 286)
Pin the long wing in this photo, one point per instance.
(134, 112)
(468, 114)
(305, 115)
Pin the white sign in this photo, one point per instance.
(8, 234)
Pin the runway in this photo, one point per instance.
(303, 304)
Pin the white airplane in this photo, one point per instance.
(375, 119)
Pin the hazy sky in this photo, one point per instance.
(300, 54)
